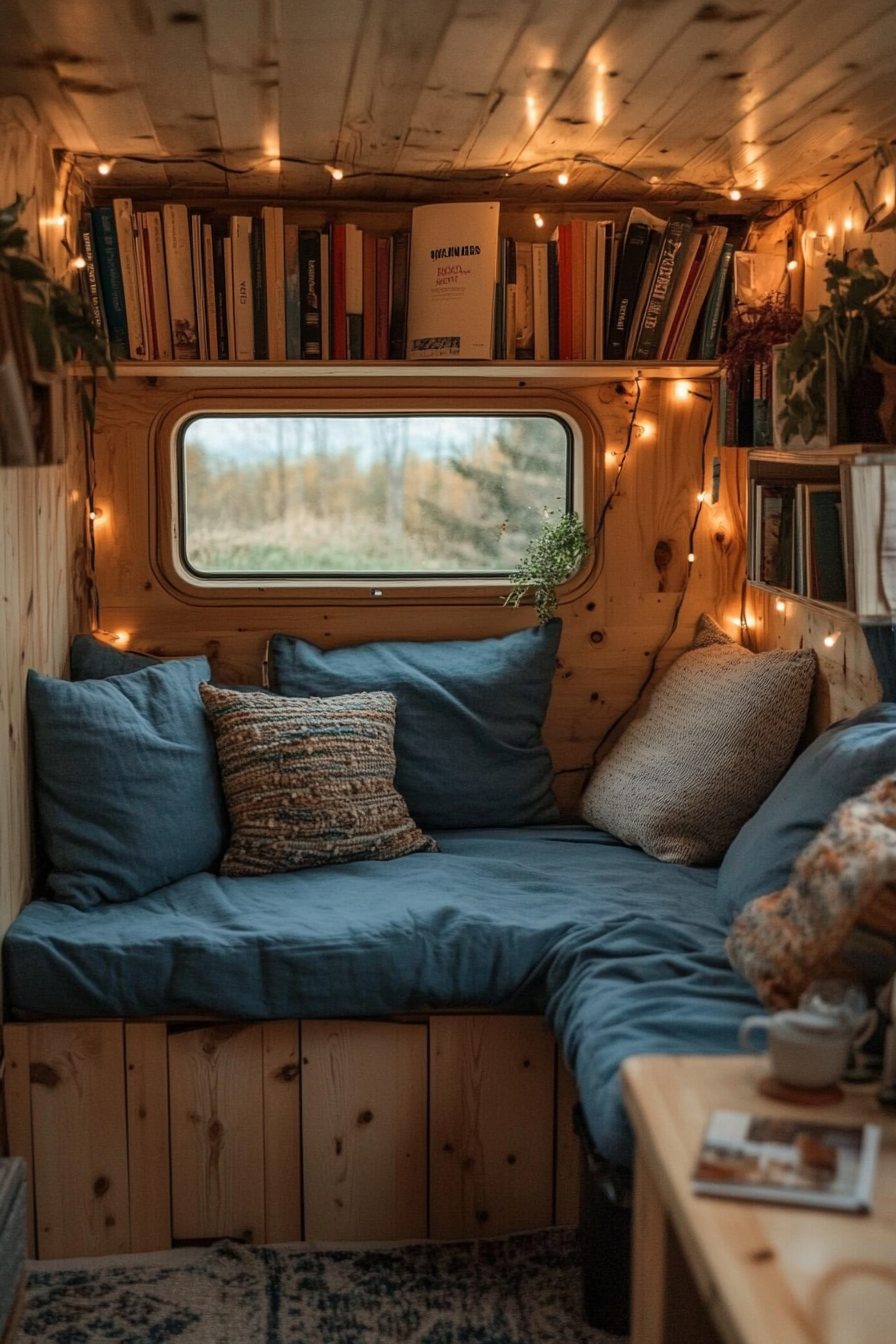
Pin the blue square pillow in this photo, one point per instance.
(128, 793)
(844, 761)
(468, 724)
(92, 660)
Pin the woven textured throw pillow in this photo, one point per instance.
(841, 896)
(717, 734)
(309, 782)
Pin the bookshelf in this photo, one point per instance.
(791, 540)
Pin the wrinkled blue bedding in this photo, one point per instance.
(623, 953)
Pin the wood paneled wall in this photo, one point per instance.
(41, 535)
(614, 616)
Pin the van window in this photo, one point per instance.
(367, 495)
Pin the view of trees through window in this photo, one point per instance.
(368, 494)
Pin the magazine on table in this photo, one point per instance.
(787, 1161)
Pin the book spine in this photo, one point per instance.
(610, 250)
(229, 307)
(158, 282)
(671, 256)
(354, 291)
(179, 263)
(338, 331)
(210, 289)
(326, 299)
(499, 326)
(130, 281)
(198, 287)
(625, 297)
(222, 291)
(525, 309)
(259, 291)
(275, 281)
(712, 320)
(540, 303)
(91, 274)
(243, 346)
(564, 258)
(383, 296)
(310, 280)
(553, 301)
(762, 410)
(369, 293)
(147, 316)
(578, 302)
(292, 267)
(398, 323)
(510, 298)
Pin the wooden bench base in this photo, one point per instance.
(140, 1135)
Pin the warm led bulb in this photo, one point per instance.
(734, 194)
(539, 222)
(79, 263)
(830, 230)
(691, 557)
(336, 173)
(847, 224)
(104, 168)
(681, 391)
(791, 265)
(563, 179)
(830, 640)
(781, 605)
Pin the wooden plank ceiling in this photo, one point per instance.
(433, 99)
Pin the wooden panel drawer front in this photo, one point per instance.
(217, 1132)
(364, 1130)
(80, 1138)
(491, 1125)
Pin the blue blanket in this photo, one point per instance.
(623, 954)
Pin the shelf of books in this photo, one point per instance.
(262, 293)
(814, 526)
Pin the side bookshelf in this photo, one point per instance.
(800, 537)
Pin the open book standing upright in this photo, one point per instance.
(454, 253)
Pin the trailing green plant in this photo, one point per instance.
(550, 559)
(857, 323)
(58, 320)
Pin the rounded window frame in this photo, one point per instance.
(176, 576)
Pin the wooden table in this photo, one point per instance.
(707, 1269)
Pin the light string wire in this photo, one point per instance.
(651, 671)
(460, 176)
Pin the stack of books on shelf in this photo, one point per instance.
(172, 283)
(797, 538)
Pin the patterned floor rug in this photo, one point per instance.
(524, 1289)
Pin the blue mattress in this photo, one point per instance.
(622, 953)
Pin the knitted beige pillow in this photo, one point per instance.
(309, 782)
(717, 734)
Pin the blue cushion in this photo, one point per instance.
(92, 660)
(844, 761)
(468, 727)
(128, 793)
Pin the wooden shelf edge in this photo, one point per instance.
(519, 371)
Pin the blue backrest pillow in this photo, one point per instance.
(844, 761)
(128, 793)
(468, 724)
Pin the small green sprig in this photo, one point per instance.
(550, 559)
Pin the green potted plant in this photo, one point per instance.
(550, 559)
(57, 319)
(852, 341)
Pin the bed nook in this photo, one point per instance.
(342, 861)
